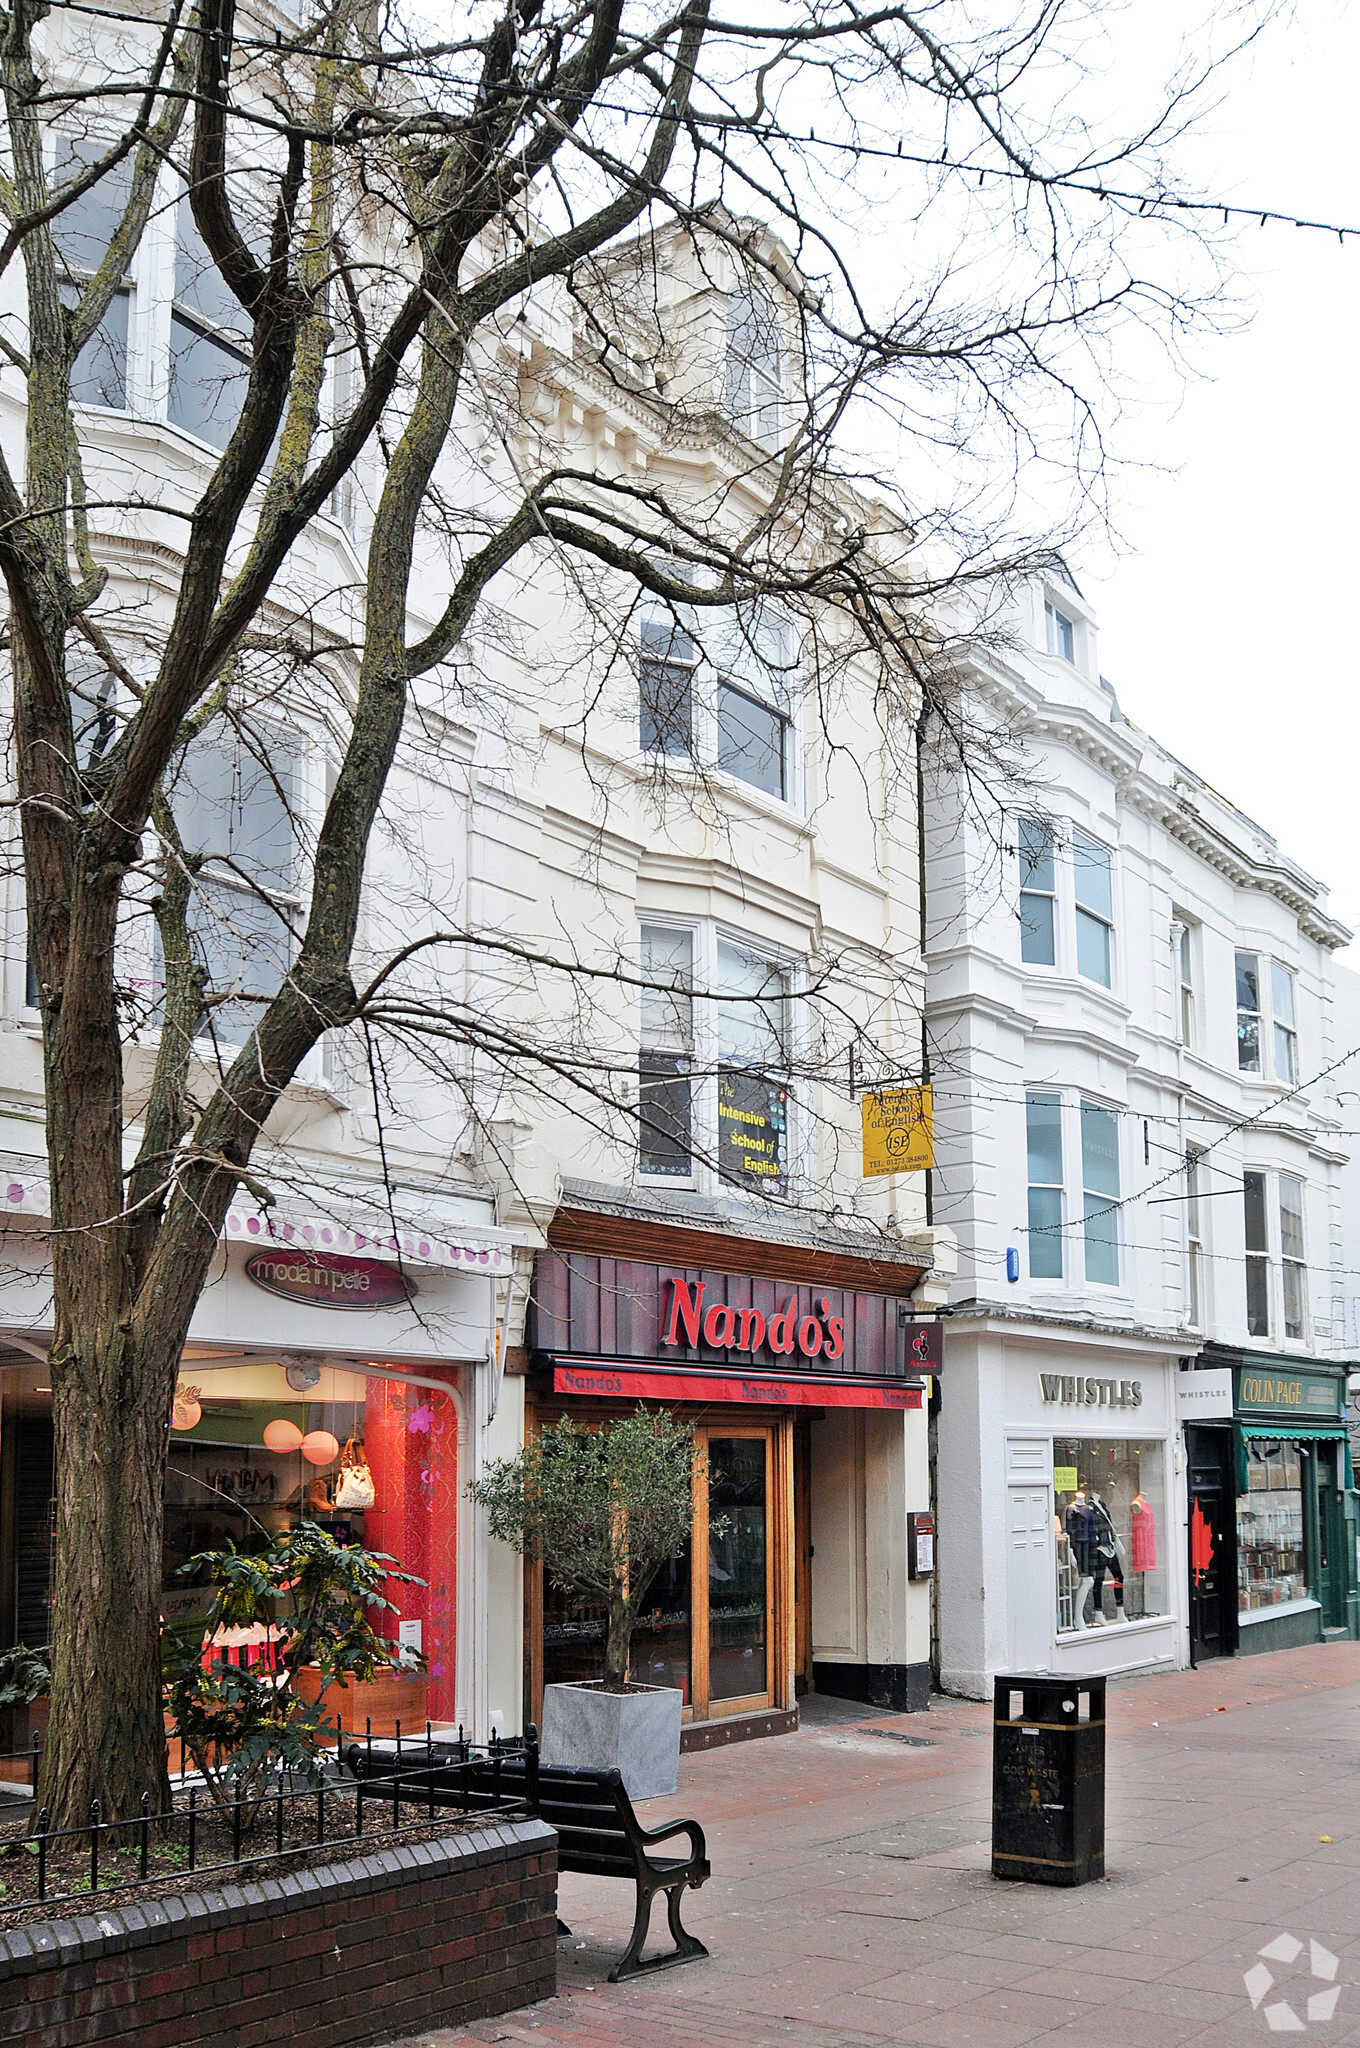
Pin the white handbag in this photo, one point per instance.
(355, 1488)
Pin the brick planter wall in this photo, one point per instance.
(347, 1953)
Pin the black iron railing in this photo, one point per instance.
(426, 1778)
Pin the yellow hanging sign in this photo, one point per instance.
(898, 1130)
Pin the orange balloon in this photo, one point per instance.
(186, 1414)
(319, 1447)
(282, 1435)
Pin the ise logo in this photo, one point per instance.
(1280, 2015)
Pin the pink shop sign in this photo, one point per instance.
(330, 1279)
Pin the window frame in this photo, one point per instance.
(1098, 919)
(1284, 1031)
(1186, 1018)
(1060, 633)
(76, 274)
(706, 936)
(1106, 1201)
(1293, 1265)
(715, 671)
(1194, 1238)
(1030, 865)
(1044, 1098)
(1246, 1012)
(1257, 1261)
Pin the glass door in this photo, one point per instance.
(739, 1594)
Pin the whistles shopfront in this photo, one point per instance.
(809, 1397)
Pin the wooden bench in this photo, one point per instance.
(598, 1831)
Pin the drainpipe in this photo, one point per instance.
(921, 891)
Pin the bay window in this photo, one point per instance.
(714, 1057)
(715, 686)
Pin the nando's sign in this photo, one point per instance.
(747, 1332)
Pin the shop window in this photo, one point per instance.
(1286, 1035)
(210, 340)
(1270, 1545)
(1094, 890)
(751, 1032)
(1038, 891)
(1100, 1193)
(1257, 1230)
(1194, 1238)
(666, 1048)
(81, 235)
(260, 1456)
(1043, 1139)
(234, 806)
(1248, 971)
(1110, 1503)
(705, 1625)
(1293, 1267)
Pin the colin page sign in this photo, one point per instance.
(330, 1279)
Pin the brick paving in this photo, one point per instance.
(852, 1905)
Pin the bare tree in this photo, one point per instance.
(369, 204)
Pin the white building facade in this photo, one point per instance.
(1138, 1146)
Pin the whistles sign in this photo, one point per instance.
(723, 1328)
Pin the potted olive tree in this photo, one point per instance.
(603, 1509)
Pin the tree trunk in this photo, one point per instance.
(106, 1738)
(619, 1639)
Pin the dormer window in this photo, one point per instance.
(1060, 633)
(753, 378)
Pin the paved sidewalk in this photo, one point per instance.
(852, 1904)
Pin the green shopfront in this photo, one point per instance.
(1295, 1523)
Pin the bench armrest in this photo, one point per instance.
(648, 1836)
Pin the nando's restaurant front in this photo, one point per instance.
(807, 1375)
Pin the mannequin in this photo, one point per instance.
(1105, 1558)
(1144, 1533)
(1080, 1536)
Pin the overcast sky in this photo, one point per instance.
(1226, 623)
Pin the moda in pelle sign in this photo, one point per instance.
(330, 1279)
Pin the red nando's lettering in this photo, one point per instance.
(723, 1328)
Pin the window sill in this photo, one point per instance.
(683, 768)
(1248, 1617)
(1116, 1628)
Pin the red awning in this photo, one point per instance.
(611, 1379)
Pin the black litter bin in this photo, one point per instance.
(1048, 1779)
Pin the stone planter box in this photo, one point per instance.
(338, 1955)
(635, 1733)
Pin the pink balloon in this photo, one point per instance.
(319, 1447)
(282, 1435)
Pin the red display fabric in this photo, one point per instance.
(411, 1441)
